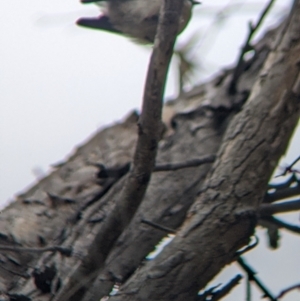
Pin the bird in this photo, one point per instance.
(137, 19)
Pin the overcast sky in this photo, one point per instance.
(60, 83)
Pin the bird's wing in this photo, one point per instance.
(102, 22)
(91, 1)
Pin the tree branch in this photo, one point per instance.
(62, 250)
(166, 199)
(117, 172)
(291, 180)
(232, 88)
(226, 289)
(282, 194)
(287, 290)
(186, 164)
(222, 218)
(281, 224)
(269, 209)
(287, 189)
(289, 169)
(157, 226)
(149, 133)
(252, 277)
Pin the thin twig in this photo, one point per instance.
(206, 295)
(248, 248)
(248, 289)
(292, 179)
(225, 290)
(289, 289)
(212, 294)
(289, 169)
(251, 274)
(282, 224)
(157, 226)
(247, 46)
(186, 164)
(64, 251)
(116, 172)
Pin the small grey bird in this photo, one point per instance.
(137, 19)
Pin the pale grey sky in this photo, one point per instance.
(60, 83)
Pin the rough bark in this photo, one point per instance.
(224, 216)
(69, 207)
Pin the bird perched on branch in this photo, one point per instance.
(137, 19)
